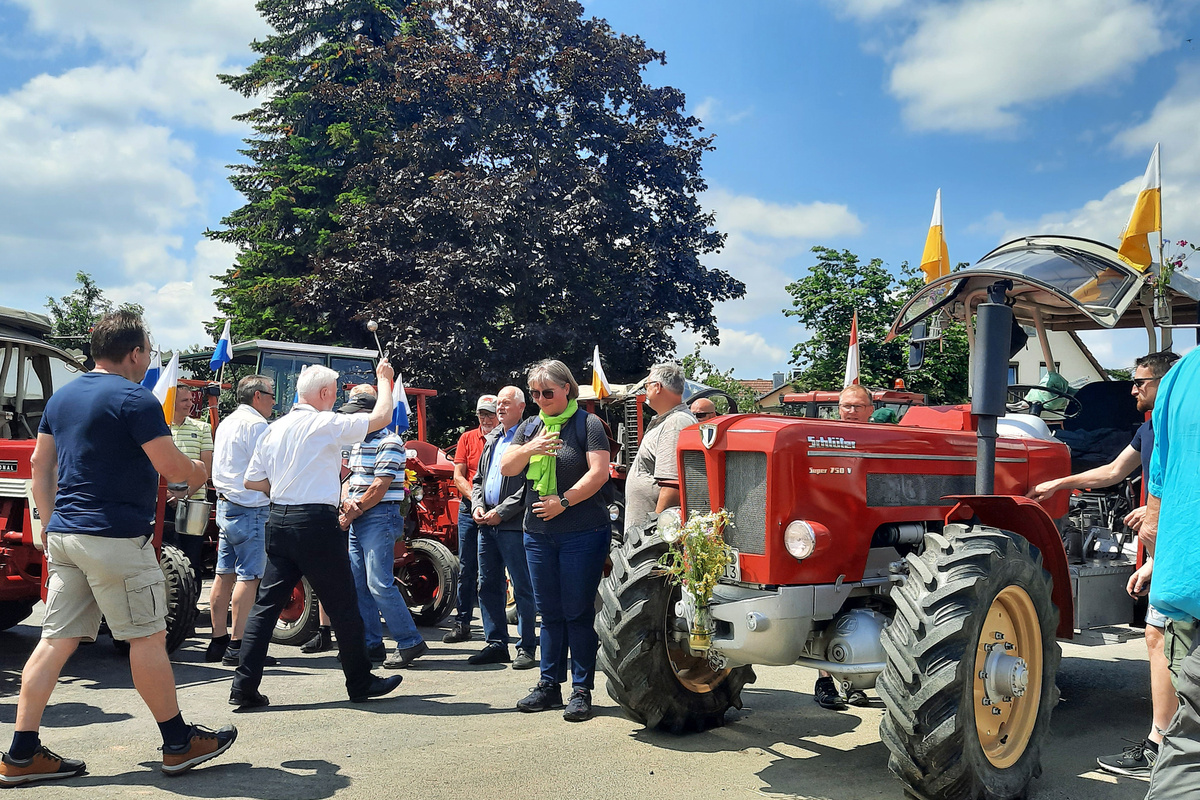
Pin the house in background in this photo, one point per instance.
(1072, 360)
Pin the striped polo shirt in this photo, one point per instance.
(193, 437)
(381, 454)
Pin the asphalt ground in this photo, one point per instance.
(451, 731)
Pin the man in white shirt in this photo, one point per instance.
(241, 516)
(297, 464)
(653, 482)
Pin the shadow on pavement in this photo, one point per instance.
(295, 780)
(66, 715)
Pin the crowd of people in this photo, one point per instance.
(532, 510)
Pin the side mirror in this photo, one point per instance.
(916, 345)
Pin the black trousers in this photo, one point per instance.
(305, 540)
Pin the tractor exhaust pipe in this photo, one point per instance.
(989, 382)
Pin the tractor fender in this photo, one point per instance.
(1026, 518)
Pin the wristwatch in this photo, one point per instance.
(562, 499)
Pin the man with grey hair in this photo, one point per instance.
(653, 481)
(241, 516)
(297, 464)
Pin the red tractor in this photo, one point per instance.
(900, 557)
(31, 369)
(426, 567)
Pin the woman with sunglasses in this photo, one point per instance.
(564, 455)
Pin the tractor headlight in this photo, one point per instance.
(614, 512)
(670, 525)
(800, 539)
(418, 494)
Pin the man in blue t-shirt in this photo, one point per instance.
(1138, 760)
(101, 446)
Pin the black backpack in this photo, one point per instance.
(530, 427)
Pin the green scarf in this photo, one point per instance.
(543, 469)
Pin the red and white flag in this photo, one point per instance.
(852, 354)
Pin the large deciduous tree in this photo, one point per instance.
(503, 186)
(824, 302)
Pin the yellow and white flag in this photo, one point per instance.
(1145, 219)
(935, 262)
(599, 381)
(164, 390)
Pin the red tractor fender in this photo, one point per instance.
(1027, 518)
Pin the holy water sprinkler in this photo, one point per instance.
(373, 326)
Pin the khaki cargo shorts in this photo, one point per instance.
(91, 576)
(1178, 640)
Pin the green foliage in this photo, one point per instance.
(494, 183)
(701, 370)
(73, 315)
(824, 302)
(697, 561)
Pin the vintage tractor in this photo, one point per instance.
(901, 557)
(426, 567)
(30, 371)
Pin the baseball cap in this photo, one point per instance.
(486, 402)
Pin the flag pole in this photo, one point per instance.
(1158, 180)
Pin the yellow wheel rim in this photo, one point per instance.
(694, 672)
(1008, 677)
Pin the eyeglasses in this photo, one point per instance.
(487, 413)
(705, 414)
(852, 406)
(1140, 382)
(539, 394)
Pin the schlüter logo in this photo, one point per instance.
(836, 442)
(8, 466)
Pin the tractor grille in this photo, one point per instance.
(631, 428)
(695, 482)
(746, 500)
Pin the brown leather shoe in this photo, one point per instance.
(202, 745)
(43, 765)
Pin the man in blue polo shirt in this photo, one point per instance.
(102, 443)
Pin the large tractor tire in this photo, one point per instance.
(652, 674)
(13, 612)
(971, 662)
(183, 592)
(428, 580)
(299, 619)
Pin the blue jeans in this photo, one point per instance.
(566, 569)
(242, 547)
(468, 564)
(372, 554)
(499, 549)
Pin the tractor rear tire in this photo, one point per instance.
(651, 672)
(952, 733)
(299, 619)
(429, 582)
(183, 592)
(14, 612)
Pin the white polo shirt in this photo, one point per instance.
(233, 446)
(301, 454)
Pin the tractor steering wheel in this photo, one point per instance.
(1016, 397)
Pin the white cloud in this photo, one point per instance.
(710, 111)
(975, 66)
(750, 215)
(748, 353)
(866, 9)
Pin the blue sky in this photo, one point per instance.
(836, 122)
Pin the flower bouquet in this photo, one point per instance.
(696, 561)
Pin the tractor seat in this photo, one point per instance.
(1023, 426)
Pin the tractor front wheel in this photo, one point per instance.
(652, 673)
(13, 612)
(183, 592)
(971, 662)
(428, 579)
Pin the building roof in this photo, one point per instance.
(759, 386)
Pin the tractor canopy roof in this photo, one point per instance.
(1062, 282)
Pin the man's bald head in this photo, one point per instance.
(704, 409)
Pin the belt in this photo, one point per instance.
(303, 507)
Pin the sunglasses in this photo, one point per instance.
(1140, 382)
(546, 393)
(705, 414)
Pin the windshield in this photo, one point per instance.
(1088, 279)
(29, 374)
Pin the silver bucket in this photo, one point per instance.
(191, 516)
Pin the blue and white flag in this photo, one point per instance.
(151, 379)
(224, 352)
(400, 407)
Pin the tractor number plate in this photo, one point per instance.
(733, 569)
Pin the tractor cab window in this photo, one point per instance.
(284, 370)
(351, 372)
(1087, 278)
(29, 374)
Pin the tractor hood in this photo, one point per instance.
(1071, 283)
